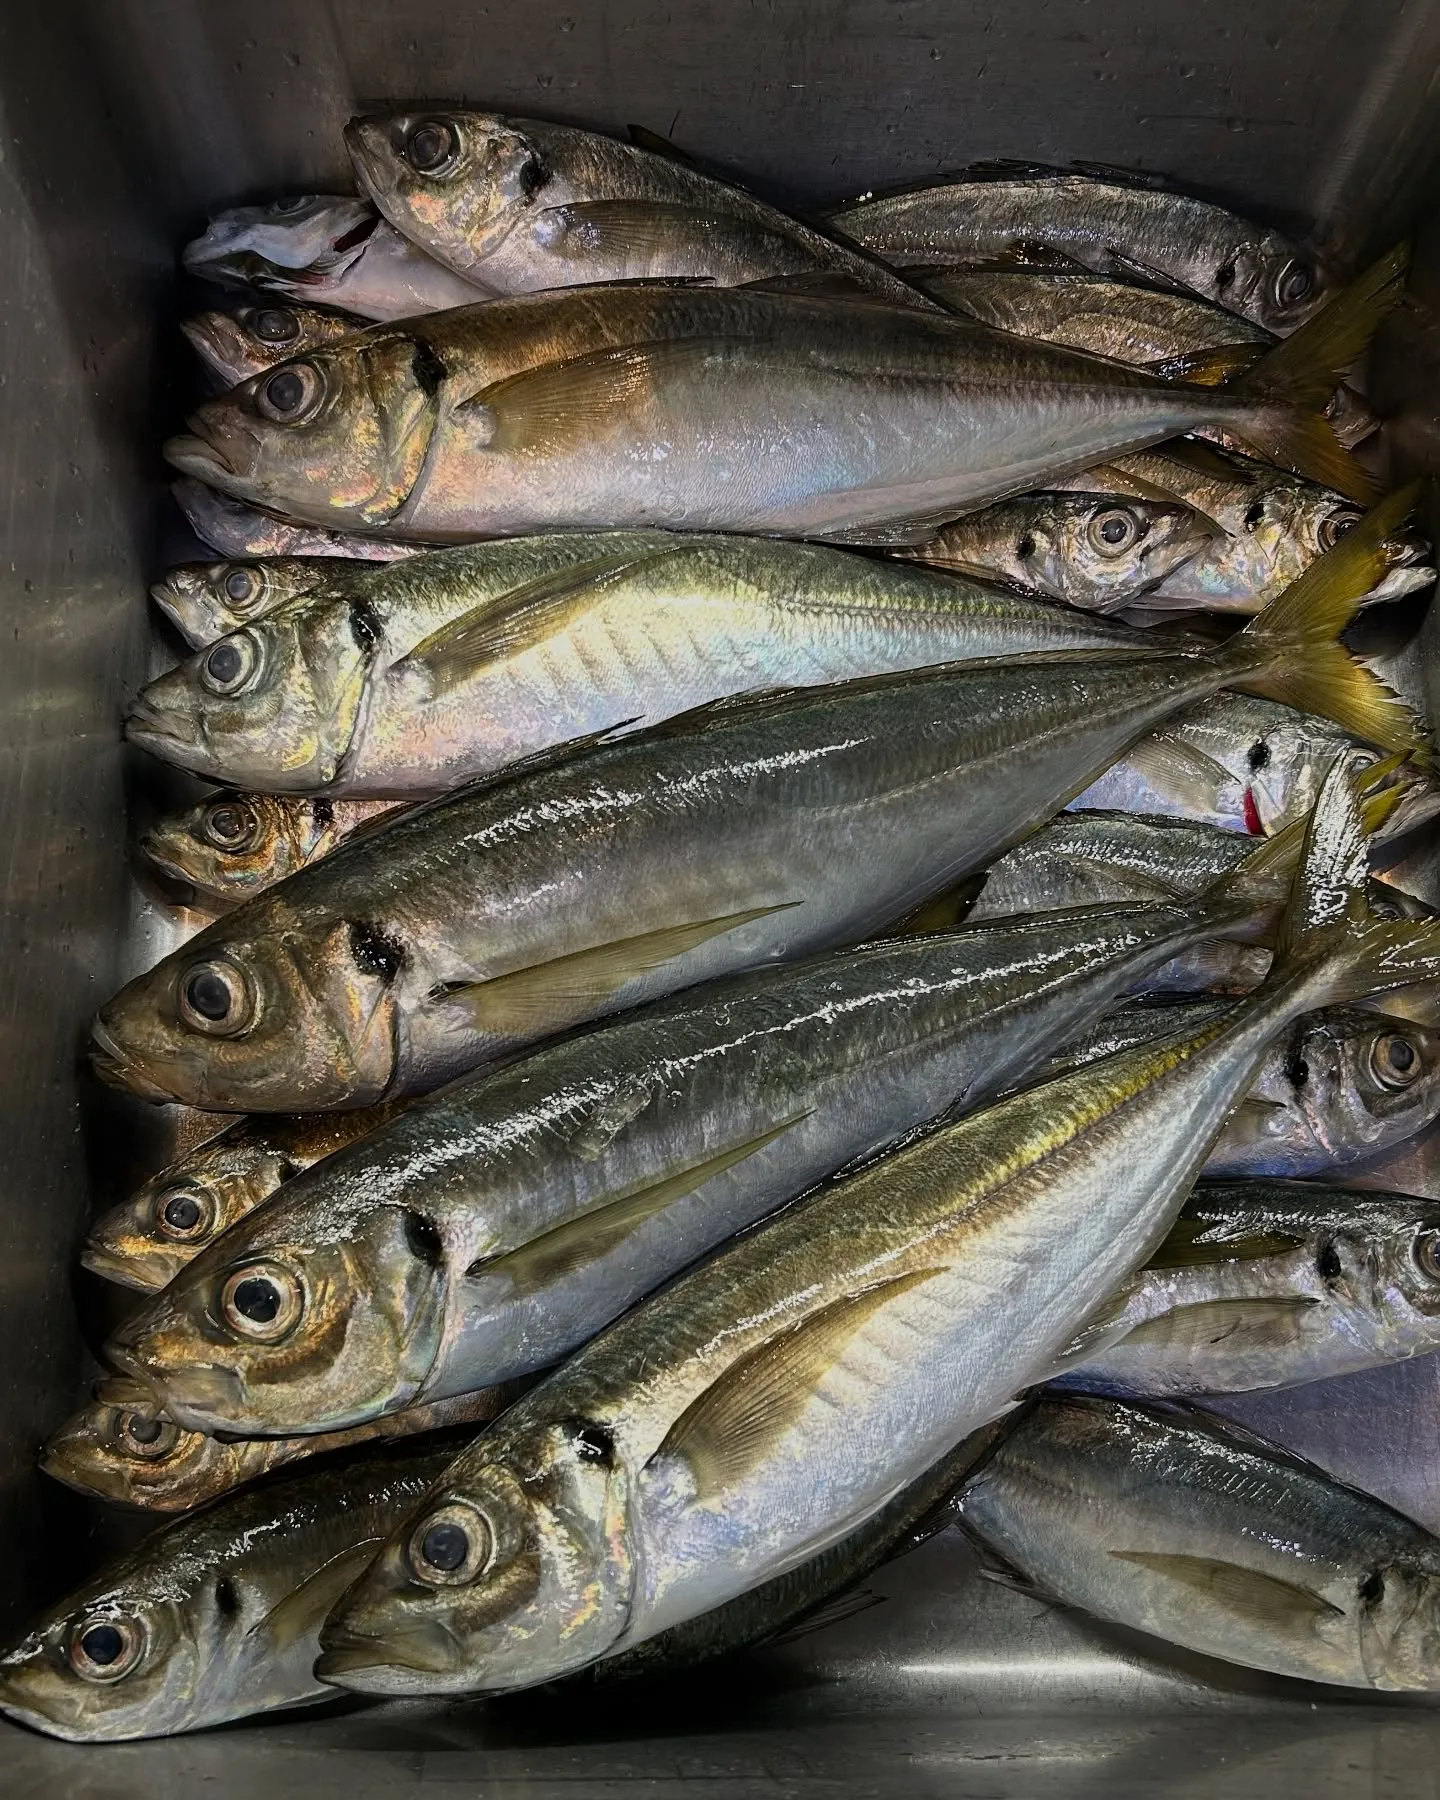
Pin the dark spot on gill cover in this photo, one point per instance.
(1255, 517)
(365, 626)
(423, 1240)
(1259, 756)
(1372, 1588)
(227, 1601)
(1328, 1263)
(534, 174)
(323, 811)
(374, 952)
(1026, 547)
(1297, 1070)
(594, 1444)
(429, 371)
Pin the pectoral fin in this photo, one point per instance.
(304, 1609)
(578, 1242)
(1261, 1601)
(1267, 1324)
(551, 994)
(1208, 368)
(1192, 777)
(1193, 1243)
(731, 1428)
(643, 231)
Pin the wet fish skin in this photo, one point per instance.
(520, 205)
(672, 1463)
(217, 1183)
(1112, 225)
(326, 249)
(645, 406)
(1268, 1284)
(1191, 1529)
(222, 1607)
(556, 1192)
(120, 1449)
(207, 600)
(234, 845)
(237, 344)
(412, 678)
(1101, 554)
(244, 533)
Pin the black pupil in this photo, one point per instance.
(103, 1644)
(239, 584)
(208, 994)
(1342, 523)
(285, 391)
(226, 822)
(1402, 1055)
(1114, 531)
(428, 146)
(445, 1547)
(276, 326)
(183, 1212)
(143, 1431)
(225, 663)
(1296, 284)
(295, 204)
(258, 1300)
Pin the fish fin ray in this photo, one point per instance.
(1170, 764)
(304, 1608)
(1238, 1324)
(1253, 1598)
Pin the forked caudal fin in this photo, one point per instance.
(1291, 651)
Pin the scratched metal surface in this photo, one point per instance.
(121, 123)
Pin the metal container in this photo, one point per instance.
(122, 123)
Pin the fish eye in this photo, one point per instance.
(242, 586)
(1427, 1254)
(431, 147)
(215, 998)
(1294, 283)
(1394, 1060)
(140, 1435)
(184, 1214)
(292, 203)
(275, 325)
(291, 395)
(1339, 523)
(229, 665)
(230, 825)
(262, 1301)
(106, 1649)
(1113, 531)
(451, 1546)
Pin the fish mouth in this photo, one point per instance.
(182, 614)
(105, 1262)
(366, 142)
(407, 1662)
(114, 1065)
(194, 456)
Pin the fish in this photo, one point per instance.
(1099, 553)
(118, 1448)
(1337, 1090)
(1108, 221)
(1272, 526)
(243, 532)
(411, 678)
(485, 1233)
(326, 250)
(776, 1396)
(520, 205)
(237, 344)
(1267, 1284)
(234, 845)
(1195, 1531)
(646, 405)
(758, 829)
(208, 600)
(1243, 763)
(214, 1616)
(1157, 328)
(145, 1241)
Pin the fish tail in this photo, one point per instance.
(1293, 383)
(1291, 651)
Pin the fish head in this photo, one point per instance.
(235, 845)
(145, 1241)
(338, 437)
(1399, 1625)
(205, 601)
(125, 1451)
(1405, 1269)
(235, 345)
(459, 182)
(515, 1569)
(1362, 1082)
(276, 702)
(1271, 282)
(1102, 553)
(301, 244)
(303, 1317)
(264, 1011)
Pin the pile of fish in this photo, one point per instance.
(795, 899)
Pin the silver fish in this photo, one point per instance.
(517, 205)
(1192, 1530)
(214, 1617)
(330, 250)
(775, 1397)
(235, 530)
(1266, 1284)
(753, 831)
(1110, 222)
(489, 1231)
(237, 344)
(1098, 553)
(412, 678)
(234, 845)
